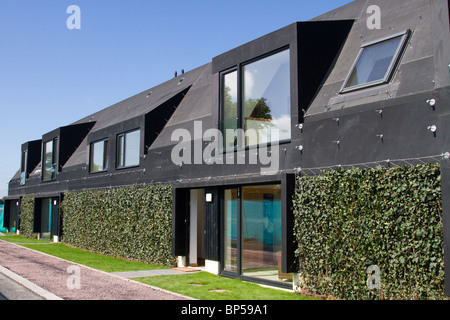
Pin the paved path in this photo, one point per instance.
(12, 290)
(55, 278)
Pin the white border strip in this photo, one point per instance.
(29, 285)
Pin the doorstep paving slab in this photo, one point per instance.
(72, 281)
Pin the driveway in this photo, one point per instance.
(55, 278)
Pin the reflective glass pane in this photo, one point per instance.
(23, 167)
(266, 89)
(132, 148)
(98, 154)
(46, 218)
(230, 232)
(13, 215)
(105, 155)
(374, 62)
(49, 172)
(120, 150)
(230, 108)
(261, 232)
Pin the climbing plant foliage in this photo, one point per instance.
(26, 215)
(130, 222)
(349, 220)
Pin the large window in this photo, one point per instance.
(99, 156)
(375, 62)
(128, 149)
(50, 160)
(256, 98)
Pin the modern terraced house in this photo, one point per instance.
(231, 136)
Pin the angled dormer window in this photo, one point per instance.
(30, 158)
(376, 62)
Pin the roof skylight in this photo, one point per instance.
(376, 62)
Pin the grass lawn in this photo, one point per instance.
(21, 240)
(206, 286)
(93, 260)
(196, 285)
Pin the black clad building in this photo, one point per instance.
(338, 90)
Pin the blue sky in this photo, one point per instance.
(51, 76)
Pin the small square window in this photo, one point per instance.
(376, 62)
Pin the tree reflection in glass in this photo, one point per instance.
(266, 90)
(230, 116)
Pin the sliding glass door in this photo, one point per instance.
(261, 231)
(252, 232)
(46, 218)
(230, 229)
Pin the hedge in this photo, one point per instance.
(349, 220)
(26, 214)
(129, 222)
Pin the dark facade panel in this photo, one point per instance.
(319, 44)
(156, 120)
(445, 185)
(255, 48)
(288, 243)
(70, 138)
(180, 225)
(212, 226)
(392, 129)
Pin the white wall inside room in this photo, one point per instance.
(197, 207)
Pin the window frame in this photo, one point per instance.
(105, 166)
(239, 69)
(120, 164)
(404, 35)
(54, 163)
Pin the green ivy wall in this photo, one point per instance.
(348, 220)
(26, 214)
(129, 222)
